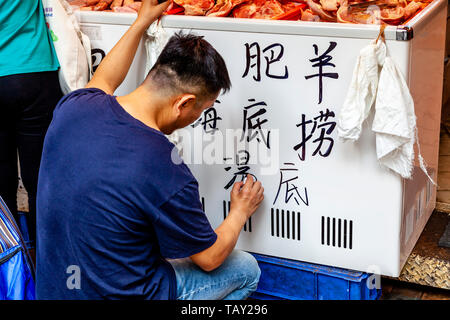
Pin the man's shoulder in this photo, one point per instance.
(84, 95)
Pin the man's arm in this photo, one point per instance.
(114, 67)
(245, 199)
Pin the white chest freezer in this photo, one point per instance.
(326, 201)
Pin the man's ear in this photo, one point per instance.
(183, 101)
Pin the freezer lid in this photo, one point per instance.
(321, 29)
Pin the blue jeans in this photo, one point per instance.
(235, 279)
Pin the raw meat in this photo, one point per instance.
(116, 3)
(102, 5)
(195, 7)
(123, 9)
(392, 12)
(259, 9)
(223, 7)
(308, 15)
(317, 9)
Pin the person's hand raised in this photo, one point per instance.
(150, 11)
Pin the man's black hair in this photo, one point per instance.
(190, 64)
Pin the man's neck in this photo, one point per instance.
(140, 105)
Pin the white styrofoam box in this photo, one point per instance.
(342, 208)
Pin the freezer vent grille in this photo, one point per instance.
(337, 232)
(285, 224)
(226, 209)
(429, 191)
(419, 203)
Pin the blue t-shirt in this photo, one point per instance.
(25, 42)
(111, 204)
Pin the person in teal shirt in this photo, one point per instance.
(25, 43)
(29, 91)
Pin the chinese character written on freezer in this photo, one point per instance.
(271, 54)
(318, 128)
(288, 182)
(253, 121)
(320, 62)
(208, 120)
(97, 56)
(241, 161)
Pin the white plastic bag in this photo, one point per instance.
(72, 47)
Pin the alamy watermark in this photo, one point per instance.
(232, 147)
(74, 279)
(374, 280)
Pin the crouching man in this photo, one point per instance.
(117, 219)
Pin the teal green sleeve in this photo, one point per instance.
(25, 42)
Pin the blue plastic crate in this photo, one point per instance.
(283, 279)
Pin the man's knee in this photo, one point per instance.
(246, 263)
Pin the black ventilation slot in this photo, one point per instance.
(337, 232)
(285, 224)
(226, 209)
(203, 204)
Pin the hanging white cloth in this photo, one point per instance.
(394, 122)
(362, 92)
(155, 40)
